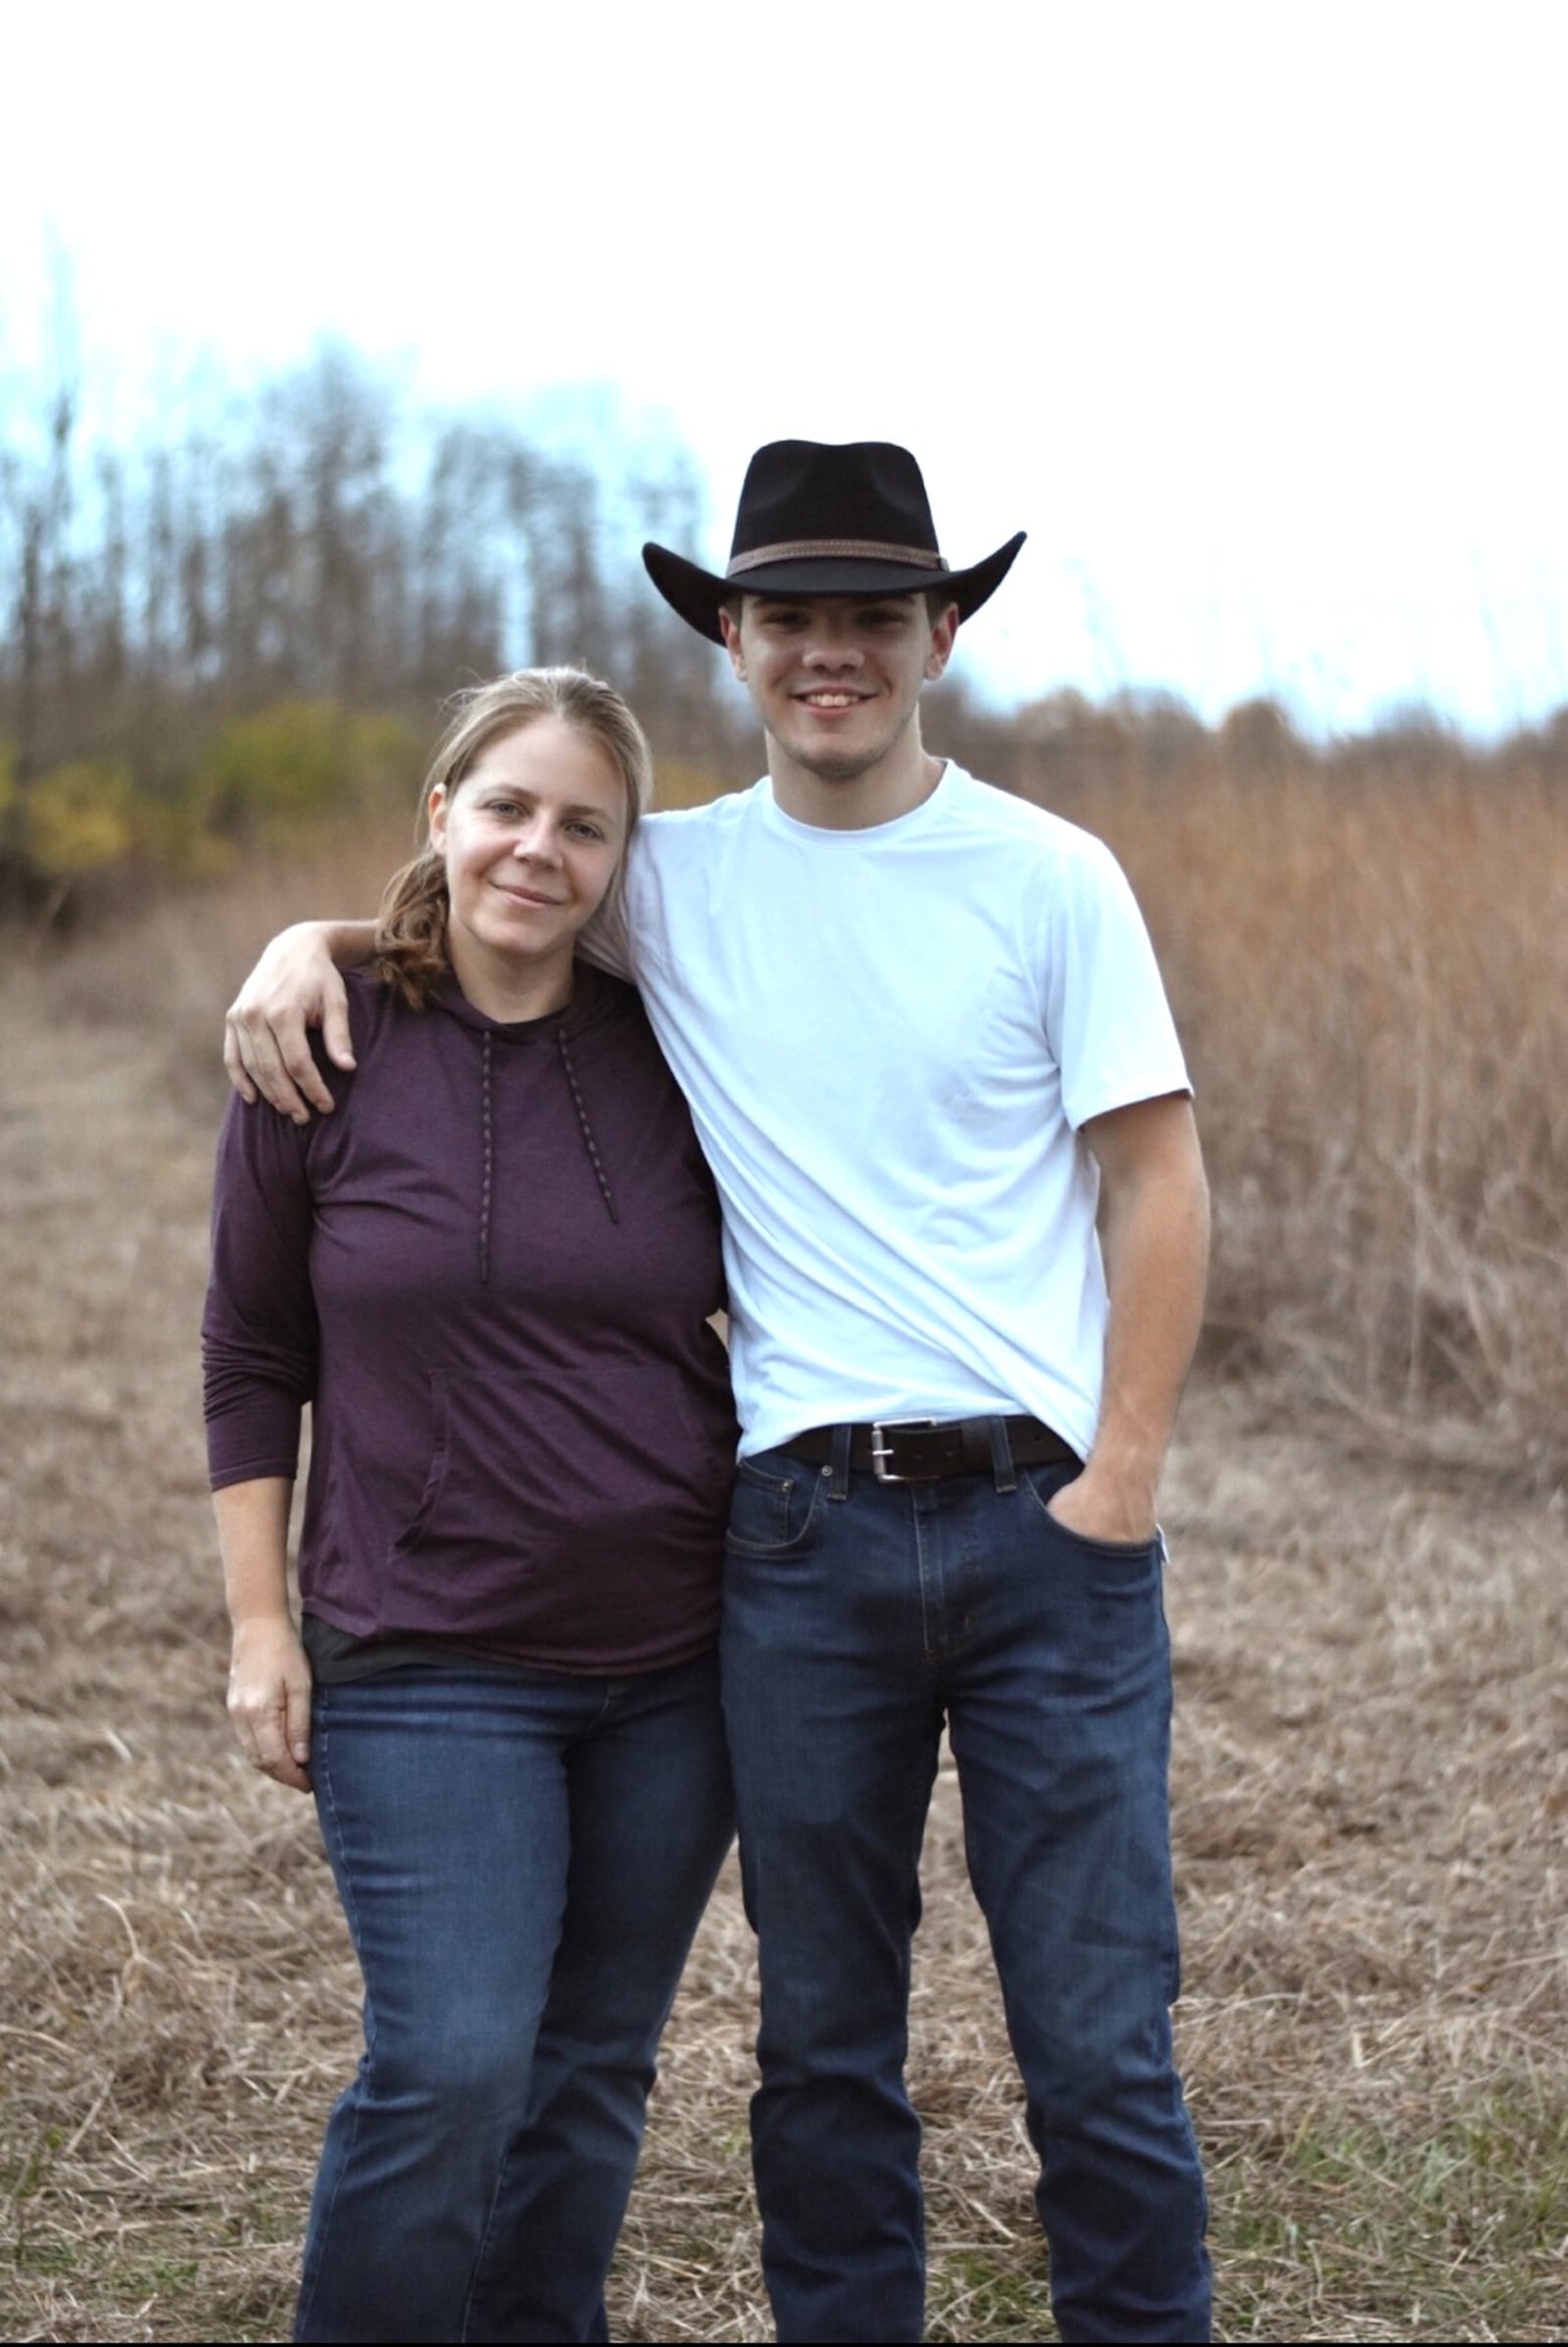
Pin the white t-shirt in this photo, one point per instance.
(889, 1039)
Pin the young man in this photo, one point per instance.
(927, 1049)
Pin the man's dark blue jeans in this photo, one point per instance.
(858, 1617)
(523, 1858)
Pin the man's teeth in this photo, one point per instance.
(831, 700)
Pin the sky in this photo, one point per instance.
(1252, 315)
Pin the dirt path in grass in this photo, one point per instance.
(1370, 1777)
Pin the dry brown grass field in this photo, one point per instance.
(1367, 1524)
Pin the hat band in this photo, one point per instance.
(815, 550)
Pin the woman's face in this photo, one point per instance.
(533, 836)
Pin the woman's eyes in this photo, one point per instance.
(512, 811)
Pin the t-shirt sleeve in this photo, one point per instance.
(1103, 1005)
(258, 1328)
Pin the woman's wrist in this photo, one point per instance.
(257, 1618)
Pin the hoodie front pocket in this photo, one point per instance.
(547, 1498)
(428, 1508)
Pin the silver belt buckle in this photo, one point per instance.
(881, 1450)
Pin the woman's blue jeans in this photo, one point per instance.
(858, 1617)
(523, 1860)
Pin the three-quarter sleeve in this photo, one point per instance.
(258, 1328)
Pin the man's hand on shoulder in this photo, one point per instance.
(266, 1051)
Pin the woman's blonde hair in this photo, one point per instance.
(410, 937)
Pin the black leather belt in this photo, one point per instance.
(903, 1450)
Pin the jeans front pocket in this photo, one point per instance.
(1039, 1484)
(777, 1507)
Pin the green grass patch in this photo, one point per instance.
(1450, 2226)
(991, 2297)
(1432, 2224)
(44, 2253)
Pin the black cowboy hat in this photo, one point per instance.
(816, 519)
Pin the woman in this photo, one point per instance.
(489, 1274)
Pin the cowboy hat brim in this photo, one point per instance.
(698, 594)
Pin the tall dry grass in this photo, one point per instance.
(1371, 975)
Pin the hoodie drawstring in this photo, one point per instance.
(581, 1108)
(488, 1145)
(487, 1175)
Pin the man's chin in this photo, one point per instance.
(840, 769)
(838, 765)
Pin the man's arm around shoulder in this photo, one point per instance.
(293, 987)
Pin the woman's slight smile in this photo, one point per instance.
(531, 836)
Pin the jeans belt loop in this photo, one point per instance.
(839, 1465)
(1002, 1466)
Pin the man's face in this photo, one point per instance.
(835, 678)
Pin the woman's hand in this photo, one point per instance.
(294, 986)
(270, 1699)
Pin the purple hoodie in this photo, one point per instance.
(489, 1272)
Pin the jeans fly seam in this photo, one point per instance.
(932, 1644)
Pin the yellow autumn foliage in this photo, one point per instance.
(281, 770)
(82, 818)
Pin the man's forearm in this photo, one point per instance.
(1155, 1246)
(351, 943)
(1154, 1237)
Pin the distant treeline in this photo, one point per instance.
(255, 617)
(1064, 750)
(249, 622)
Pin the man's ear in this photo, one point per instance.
(730, 629)
(944, 635)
